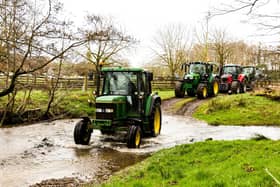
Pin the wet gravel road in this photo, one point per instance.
(43, 151)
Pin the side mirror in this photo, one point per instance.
(150, 76)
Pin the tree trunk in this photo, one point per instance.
(85, 85)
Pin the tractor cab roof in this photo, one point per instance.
(232, 65)
(121, 69)
(204, 63)
(198, 62)
(248, 66)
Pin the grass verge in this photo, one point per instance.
(165, 94)
(241, 109)
(211, 163)
(72, 103)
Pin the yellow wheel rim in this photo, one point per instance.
(137, 138)
(157, 122)
(215, 88)
(204, 92)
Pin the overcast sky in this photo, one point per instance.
(142, 19)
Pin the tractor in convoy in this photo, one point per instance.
(199, 80)
(235, 79)
(254, 74)
(126, 103)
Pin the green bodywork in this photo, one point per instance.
(117, 107)
(191, 80)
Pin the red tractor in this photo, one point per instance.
(232, 80)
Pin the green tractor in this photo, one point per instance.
(126, 103)
(198, 80)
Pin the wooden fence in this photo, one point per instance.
(79, 83)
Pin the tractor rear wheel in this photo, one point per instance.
(244, 87)
(214, 88)
(155, 120)
(82, 132)
(178, 90)
(235, 87)
(134, 136)
(201, 91)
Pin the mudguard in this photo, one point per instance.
(241, 77)
(150, 103)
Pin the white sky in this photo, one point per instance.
(142, 19)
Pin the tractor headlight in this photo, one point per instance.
(109, 110)
(98, 110)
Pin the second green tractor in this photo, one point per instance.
(199, 80)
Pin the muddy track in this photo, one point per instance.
(187, 110)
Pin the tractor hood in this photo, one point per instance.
(226, 76)
(111, 99)
(192, 76)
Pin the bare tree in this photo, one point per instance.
(29, 30)
(104, 43)
(172, 46)
(256, 11)
(221, 46)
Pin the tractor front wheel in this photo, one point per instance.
(202, 91)
(82, 132)
(134, 136)
(178, 90)
(155, 120)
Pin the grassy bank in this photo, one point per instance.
(211, 163)
(241, 109)
(72, 103)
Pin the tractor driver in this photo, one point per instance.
(131, 98)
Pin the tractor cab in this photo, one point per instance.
(129, 85)
(198, 68)
(250, 71)
(231, 71)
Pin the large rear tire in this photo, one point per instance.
(244, 87)
(201, 91)
(155, 120)
(235, 87)
(178, 90)
(82, 132)
(134, 136)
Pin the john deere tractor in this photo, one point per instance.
(198, 80)
(126, 103)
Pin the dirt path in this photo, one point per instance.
(187, 110)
